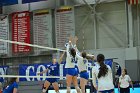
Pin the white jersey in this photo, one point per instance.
(70, 61)
(82, 63)
(124, 81)
(104, 83)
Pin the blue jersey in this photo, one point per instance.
(54, 69)
(10, 88)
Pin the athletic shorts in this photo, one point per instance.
(72, 71)
(84, 75)
(107, 91)
(52, 80)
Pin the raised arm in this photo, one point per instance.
(78, 54)
(67, 48)
(75, 39)
(61, 57)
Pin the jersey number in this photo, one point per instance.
(85, 61)
(73, 60)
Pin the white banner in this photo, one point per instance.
(64, 25)
(42, 28)
(4, 34)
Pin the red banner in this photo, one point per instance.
(133, 2)
(21, 31)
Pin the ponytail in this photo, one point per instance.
(73, 52)
(103, 70)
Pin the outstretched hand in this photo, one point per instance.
(70, 38)
(75, 39)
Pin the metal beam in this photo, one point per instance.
(112, 30)
(95, 23)
(83, 21)
(110, 26)
(94, 20)
(138, 24)
(130, 27)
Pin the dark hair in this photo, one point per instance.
(72, 52)
(125, 71)
(84, 54)
(12, 80)
(103, 70)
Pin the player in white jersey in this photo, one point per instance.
(103, 74)
(72, 72)
(82, 66)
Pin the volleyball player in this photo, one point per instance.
(103, 73)
(82, 66)
(12, 87)
(72, 72)
(54, 71)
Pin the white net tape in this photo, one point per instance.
(32, 45)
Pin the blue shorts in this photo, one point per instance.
(84, 75)
(52, 80)
(107, 91)
(72, 71)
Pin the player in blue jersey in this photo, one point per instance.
(53, 71)
(12, 87)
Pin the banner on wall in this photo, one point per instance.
(42, 28)
(21, 31)
(8, 2)
(32, 70)
(109, 62)
(29, 1)
(4, 34)
(3, 71)
(133, 2)
(64, 25)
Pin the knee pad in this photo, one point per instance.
(68, 89)
(44, 90)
